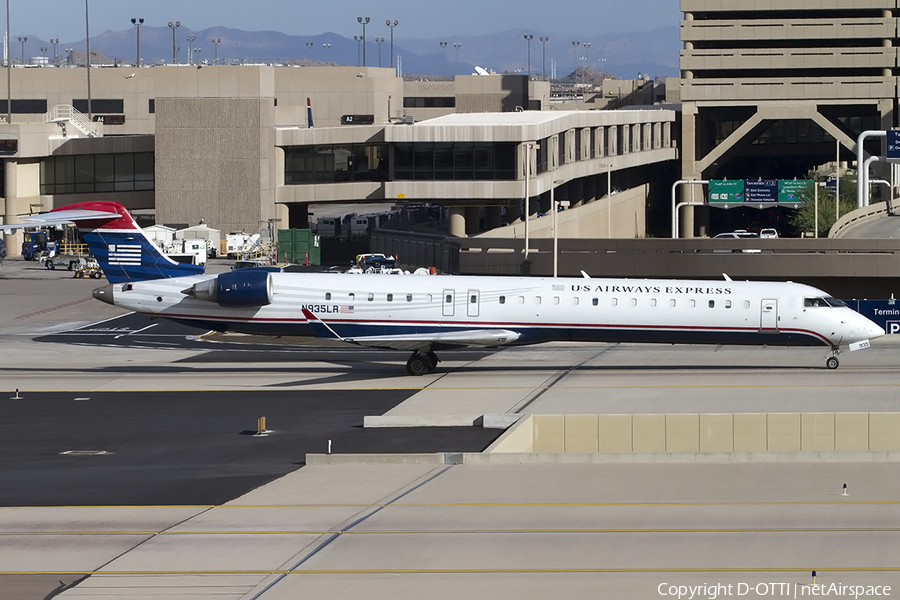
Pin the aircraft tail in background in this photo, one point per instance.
(121, 248)
(309, 119)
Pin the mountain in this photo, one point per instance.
(622, 54)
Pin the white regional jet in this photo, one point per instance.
(423, 314)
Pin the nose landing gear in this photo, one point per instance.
(419, 364)
(832, 361)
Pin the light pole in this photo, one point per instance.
(457, 45)
(55, 49)
(23, 39)
(363, 21)
(190, 40)
(174, 26)
(325, 48)
(379, 41)
(587, 57)
(357, 38)
(87, 42)
(444, 61)
(137, 23)
(528, 38)
(197, 54)
(8, 70)
(575, 54)
(309, 46)
(43, 52)
(392, 24)
(544, 39)
(216, 42)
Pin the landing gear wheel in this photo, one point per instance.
(417, 364)
(96, 275)
(832, 362)
(433, 359)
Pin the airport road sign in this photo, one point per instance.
(761, 191)
(790, 191)
(726, 191)
(893, 144)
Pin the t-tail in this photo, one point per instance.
(309, 122)
(121, 248)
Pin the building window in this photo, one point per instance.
(92, 173)
(335, 163)
(454, 161)
(429, 102)
(99, 105)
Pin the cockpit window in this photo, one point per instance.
(822, 302)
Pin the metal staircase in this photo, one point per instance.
(66, 113)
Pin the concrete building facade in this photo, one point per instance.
(772, 88)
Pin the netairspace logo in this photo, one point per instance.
(784, 590)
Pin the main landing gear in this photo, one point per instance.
(419, 364)
(832, 361)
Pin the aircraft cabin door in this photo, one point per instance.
(472, 298)
(768, 317)
(448, 303)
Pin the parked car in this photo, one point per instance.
(737, 234)
(768, 233)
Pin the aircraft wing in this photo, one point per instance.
(417, 341)
(60, 217)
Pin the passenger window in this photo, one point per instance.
(390, 297)
(521, 299)
(653, 302)
(555, 299)
(693, 303)
(473, 299)
(595, 301)
(672, 303)
(746, 304)
(409, 297)
(615, 301)
(351, 296)
(429, 298)
(576, 300)
(634, 301)
(502, 299)
(537, 299)
(328, 295)
(728, 304)
(449, 299)
(712, 303)
(371, 297)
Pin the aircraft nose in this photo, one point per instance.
(104, 294)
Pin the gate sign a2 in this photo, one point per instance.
(726, 192)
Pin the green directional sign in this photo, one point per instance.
(726, 192)
(791, 191)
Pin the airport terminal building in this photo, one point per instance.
(232, 145)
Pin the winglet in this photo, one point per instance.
(319, 328)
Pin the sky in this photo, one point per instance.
(418, 18)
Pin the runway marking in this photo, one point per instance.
(805, 570)
(461, 531)
(472, 505)
(48, 310)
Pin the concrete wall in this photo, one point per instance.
(669, 433)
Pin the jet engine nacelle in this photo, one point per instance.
(244, 287)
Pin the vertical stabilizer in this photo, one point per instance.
(309, 120)
(121, 248)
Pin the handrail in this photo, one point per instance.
(68, 113)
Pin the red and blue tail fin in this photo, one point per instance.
(309, 120)
(121, 248)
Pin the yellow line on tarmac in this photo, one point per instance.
(266, 572)
(465, 531)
